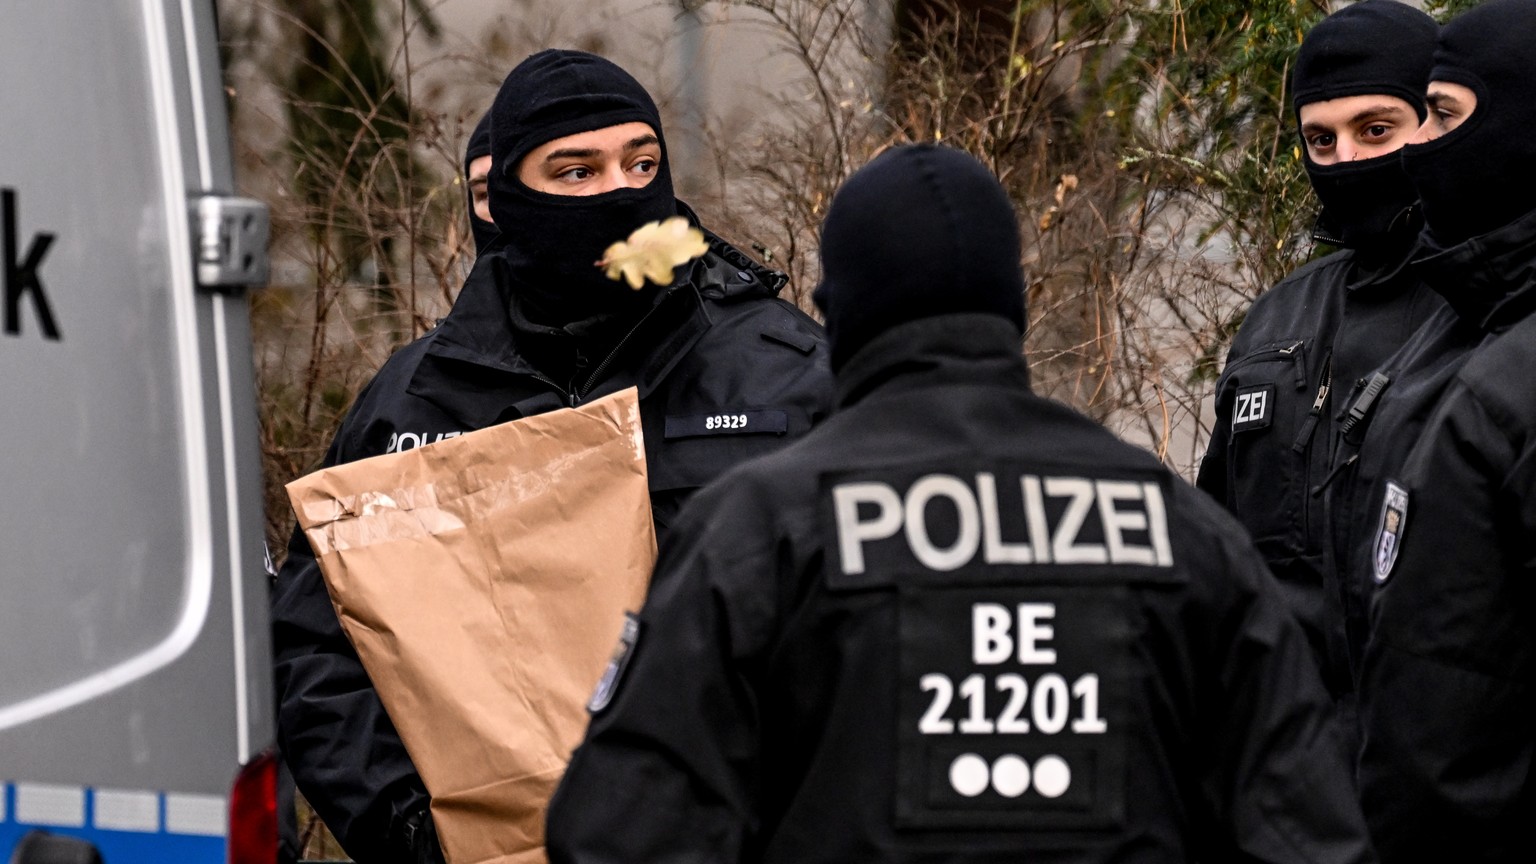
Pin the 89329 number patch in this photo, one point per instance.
(769, 421)
(1011, 707)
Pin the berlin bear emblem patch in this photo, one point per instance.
(617, 663)
(1389, 536)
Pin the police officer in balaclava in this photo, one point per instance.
(477, 170)
(1358, 86)
(1448, 689)
(579, 161)
(956, 622)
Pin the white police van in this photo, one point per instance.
(135, 692)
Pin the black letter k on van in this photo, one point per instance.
(21, 278)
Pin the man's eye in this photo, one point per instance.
(577, 173)
(1321, 142)
(644, 166)
(1377, 131)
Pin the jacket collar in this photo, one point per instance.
(726, 272)
(944, 349)
(1387, 268)
(1489, 280)
(1387, 251)
(1382, 280)
(473, 369)
(478, 329)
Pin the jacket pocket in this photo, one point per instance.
(696, 447)
(1265, 397)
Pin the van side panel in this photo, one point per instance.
(134, 665)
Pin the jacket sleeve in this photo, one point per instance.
(1446, 696)
(336, 738)
(1278, 782)
(667, 771)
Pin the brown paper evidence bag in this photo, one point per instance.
(484, 580)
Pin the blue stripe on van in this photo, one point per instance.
(145, 846)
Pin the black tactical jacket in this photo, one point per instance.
(1375, 424)
(1300, 349)
(1448, 689)
(720, 344)
(958, 622)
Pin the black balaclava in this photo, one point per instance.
(1482, 174)
(1375, 47)
(479, 145)
(922, 230)
(554, 241)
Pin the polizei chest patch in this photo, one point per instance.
(1389, 535)
(1254, 407)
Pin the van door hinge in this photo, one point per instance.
(231, 236)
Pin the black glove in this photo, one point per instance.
(420, 835)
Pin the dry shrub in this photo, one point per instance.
(370, 242)
(1156, 185)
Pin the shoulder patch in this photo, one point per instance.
(1253, 408)
(608, 685)
(1389, 535)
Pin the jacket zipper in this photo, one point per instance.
(1309, 425)
(1301, 374)
(1286, 351)
(578, 394)
(1304, 440)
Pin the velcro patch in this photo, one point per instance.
(1015, 707)
(1254, 407)
(995, 523)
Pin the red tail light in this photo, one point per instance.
(253, 812)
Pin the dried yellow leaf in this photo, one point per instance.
(652, 251)
(1067, 184)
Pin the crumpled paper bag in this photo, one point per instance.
(484, 580)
